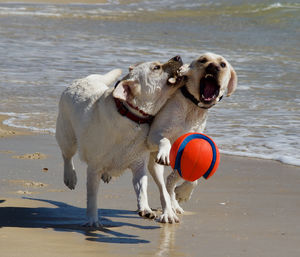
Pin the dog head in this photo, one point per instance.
(208, 79)
(148, 85)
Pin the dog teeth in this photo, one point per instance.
(208, 98)
(208, 76)
(172, 80)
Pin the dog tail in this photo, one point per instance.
(111, 76)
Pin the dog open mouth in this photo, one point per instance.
(209, 89)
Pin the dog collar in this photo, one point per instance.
(189, 96)
(124, 111)
(117, 83)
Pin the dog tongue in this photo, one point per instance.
(209, 89)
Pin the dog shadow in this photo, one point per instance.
(68, 218)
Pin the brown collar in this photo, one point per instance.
(124, 111)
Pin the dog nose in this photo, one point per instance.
(212, 68)
(177, 58)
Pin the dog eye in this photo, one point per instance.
(223, 64)
(203, 60)
(156, 67)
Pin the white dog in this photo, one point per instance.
(208, 79)
(109, 126)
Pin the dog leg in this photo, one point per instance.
(185, 190)
(70, 178)
(157, 172)
(66, 140)
(172, 180)
(140, 184)
(92, 185)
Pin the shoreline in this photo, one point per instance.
(9, 131)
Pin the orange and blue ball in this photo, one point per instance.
(194, 155)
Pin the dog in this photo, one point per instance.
(208, 79)
(109, 126)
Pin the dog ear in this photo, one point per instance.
(232, 84)
(131, 67)
(126, 90)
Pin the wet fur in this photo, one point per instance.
(109, 143)
(177, 117)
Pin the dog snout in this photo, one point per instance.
(173, 65)
(177, 58)
(212, 68)
(176, 61)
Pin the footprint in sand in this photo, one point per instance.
(7, 152)
(31, 156)
(27, 184)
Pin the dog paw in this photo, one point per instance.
(184, 192)
(169, 217)
(176, 207)
(149, 214)
(106, 178)
(92, 225)
(163, 155)
(70, 179)
(163, 159)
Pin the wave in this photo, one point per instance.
(59, 12)
(275, 157)
(275, 6)
(13, 117)
(113, 9)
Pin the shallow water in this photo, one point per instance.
(45, 46)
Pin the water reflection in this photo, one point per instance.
(167, 241)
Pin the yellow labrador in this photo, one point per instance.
(209, 78)
(109, 126)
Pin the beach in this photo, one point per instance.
(46, 46)
(250, 207)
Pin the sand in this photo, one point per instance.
(250, 207)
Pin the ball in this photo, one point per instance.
(194, 155)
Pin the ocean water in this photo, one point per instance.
(44, 47)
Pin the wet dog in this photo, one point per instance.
(209, 78)
(109, 126)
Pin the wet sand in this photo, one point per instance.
(250, 207)
(6, 131)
